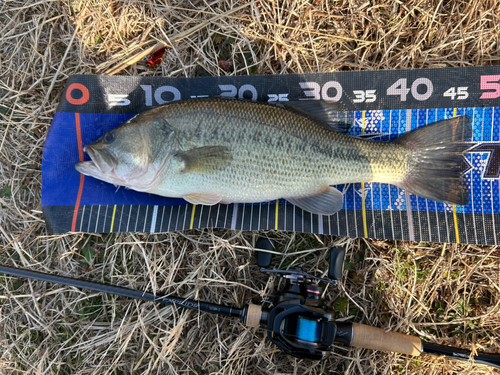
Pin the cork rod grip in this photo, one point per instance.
(368, 337)
(253, 316)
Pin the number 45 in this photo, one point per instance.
(459, 92)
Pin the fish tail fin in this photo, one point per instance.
(437, 158)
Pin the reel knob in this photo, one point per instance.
(336, 266)
(264, 258)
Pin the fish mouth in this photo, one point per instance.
(102, 162)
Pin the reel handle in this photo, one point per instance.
(336, 264)
(264, 258)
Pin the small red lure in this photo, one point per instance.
(155, 58)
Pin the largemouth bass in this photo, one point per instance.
(214, 150)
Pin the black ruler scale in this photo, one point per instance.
(384, 105)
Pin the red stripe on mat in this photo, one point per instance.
(82, 177)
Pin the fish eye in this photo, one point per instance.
(108, 138)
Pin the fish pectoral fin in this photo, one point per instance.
(208, 199)
(205, 158)
(326, 202)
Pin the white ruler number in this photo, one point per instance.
(158, 96)
(400, 88)
(368, 96)
(118, 100)
(313, 91)
(230, 91)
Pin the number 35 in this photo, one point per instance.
(368, 96)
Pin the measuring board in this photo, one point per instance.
(384, 105)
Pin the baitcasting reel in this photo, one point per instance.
(299, 323)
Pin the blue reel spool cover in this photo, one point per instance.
(308, 329)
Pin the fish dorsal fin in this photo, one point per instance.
(328, 115)
(326, 202)
(206, 158)
(208, 199)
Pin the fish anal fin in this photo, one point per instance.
(208, 199)
(206, 158)
(325, 202)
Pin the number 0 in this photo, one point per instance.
(428, 92)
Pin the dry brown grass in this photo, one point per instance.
(445, 294)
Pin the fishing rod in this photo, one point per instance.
(299, 323)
